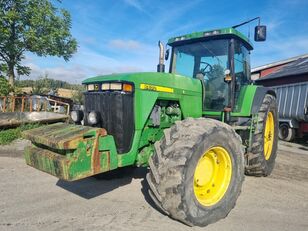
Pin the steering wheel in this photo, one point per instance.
(206, 69)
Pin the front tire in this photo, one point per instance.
(197, 171)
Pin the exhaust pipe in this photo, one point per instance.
(161, 65)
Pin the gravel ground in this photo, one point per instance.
(33, 200)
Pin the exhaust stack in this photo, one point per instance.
(161, 65)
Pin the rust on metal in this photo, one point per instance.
(25, 104)
(4, 104)
(22, 104)
(13, 104)
(67, 151)
(96, 163)
(59, 135)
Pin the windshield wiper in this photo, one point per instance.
(219, 61)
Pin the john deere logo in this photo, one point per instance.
(156, 88)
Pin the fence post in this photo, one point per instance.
(13, 103)
(4, 104)
(22, 103)
(30, 109)
(38, 104)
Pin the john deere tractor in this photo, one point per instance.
(199, 128)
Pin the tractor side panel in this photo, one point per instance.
(191, 106)
(245, 101)
(243, 106)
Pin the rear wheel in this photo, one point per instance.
(197, 171)
(261, 160)
(286, 133)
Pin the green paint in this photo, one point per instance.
(209, 33)
(143, 156)
(107, 144)
(243, 105)
(73, 152)
(80, 161)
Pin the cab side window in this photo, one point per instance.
(241, 67)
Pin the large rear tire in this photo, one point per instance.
(197, 170)
(261, 160)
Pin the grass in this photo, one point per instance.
(9, 135)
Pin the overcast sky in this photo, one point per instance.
(121, 35)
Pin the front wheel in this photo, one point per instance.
(197, 171)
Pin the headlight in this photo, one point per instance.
(77, 116)
(93, 118)
(116, 86)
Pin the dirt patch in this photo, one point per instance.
(15, 149)
(33, 200)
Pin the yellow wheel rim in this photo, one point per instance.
(269, 135)
(212, 176)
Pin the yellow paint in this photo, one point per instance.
(212, 176)
(269, 135)
(156, 88)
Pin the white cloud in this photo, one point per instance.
(125, 44)
(87, 63)
(89, 40)
(134, 3)
(71, 74)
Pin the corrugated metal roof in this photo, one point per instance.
(297, 67)
(278, 63)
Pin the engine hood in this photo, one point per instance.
(179, 83)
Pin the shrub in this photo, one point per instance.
(9, 135)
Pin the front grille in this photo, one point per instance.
(116, 115)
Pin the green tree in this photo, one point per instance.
(5, 88)
(216, 72)
(35, 26)
(78, 96)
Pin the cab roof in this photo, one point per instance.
(210, 34)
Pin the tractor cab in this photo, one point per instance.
(219, 58)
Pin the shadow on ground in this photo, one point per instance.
(303, 141)
(103, 183)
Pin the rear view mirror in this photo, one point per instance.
(260, 33)
(167, 54)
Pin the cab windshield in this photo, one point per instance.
(208, 57)
(207, 61)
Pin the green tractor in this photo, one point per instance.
(199, 128)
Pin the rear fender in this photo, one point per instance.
(259, 96)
